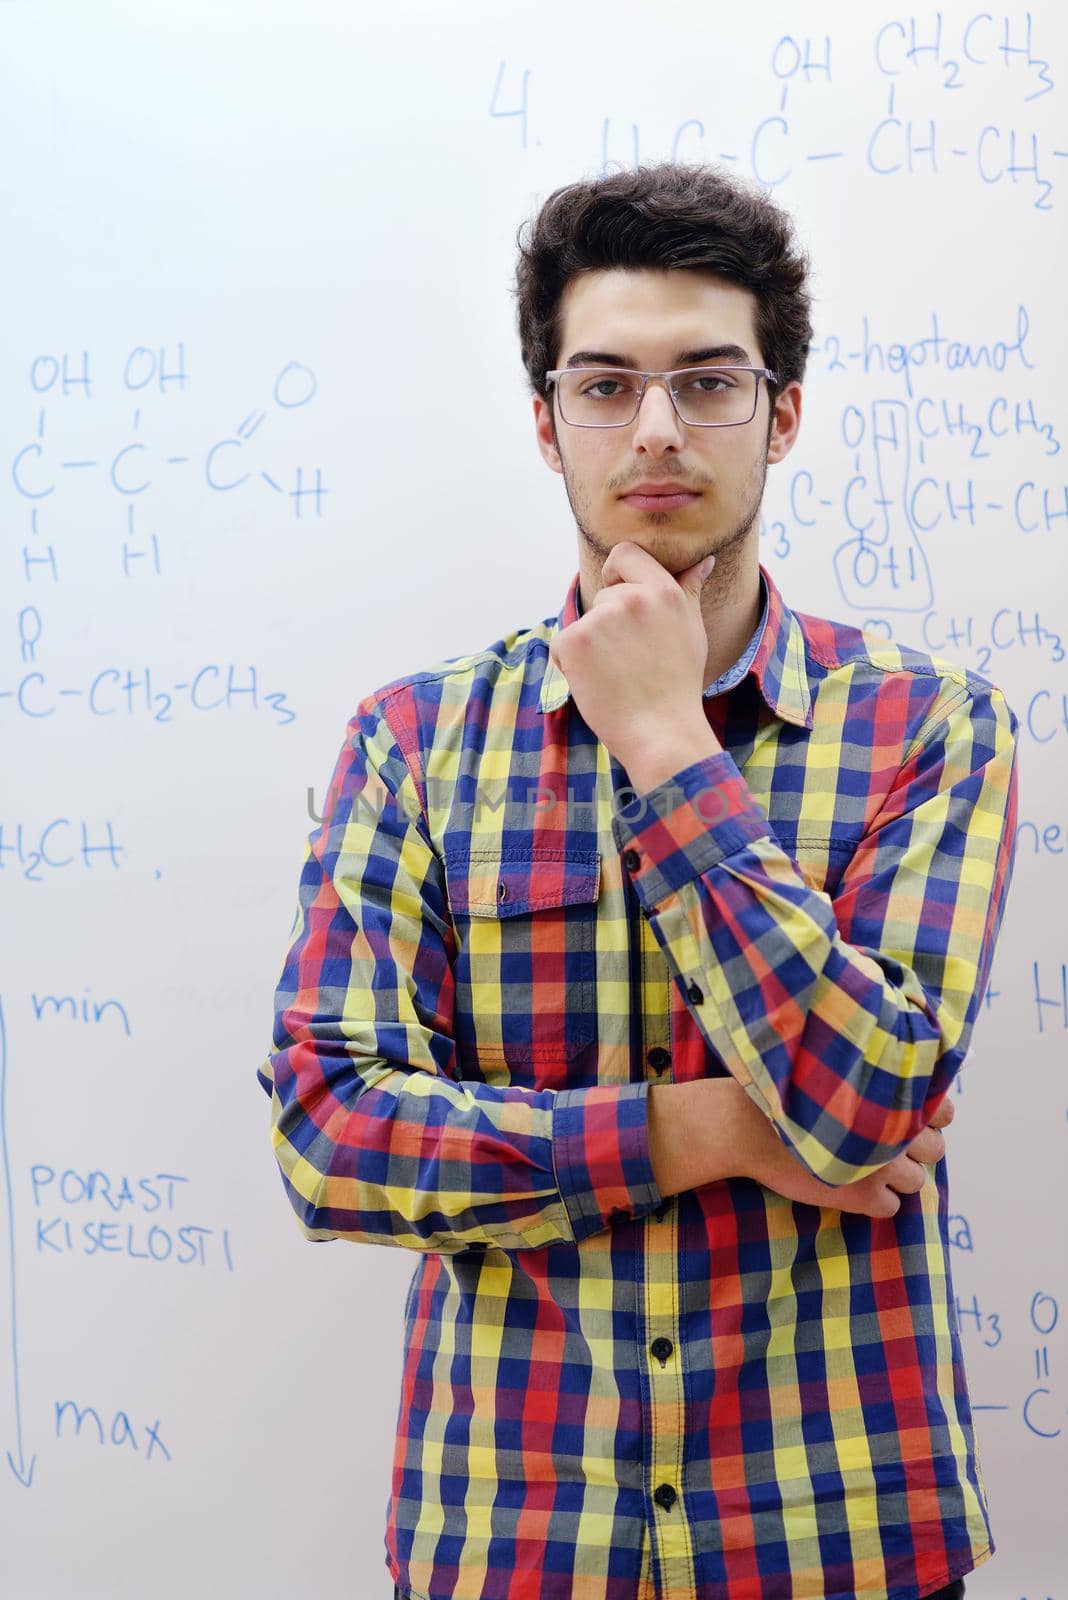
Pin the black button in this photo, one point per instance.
(661, 1349)
(618, 1215)
(658, 1058)
(631, 860)
(665, 1496)
(694, 993)
(661, 1211)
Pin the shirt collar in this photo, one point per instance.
(778, 664)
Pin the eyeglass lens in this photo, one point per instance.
(609, 397)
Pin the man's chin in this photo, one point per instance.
(670, 545)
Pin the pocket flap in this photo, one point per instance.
(514, 880)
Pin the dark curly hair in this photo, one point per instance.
(672, 214)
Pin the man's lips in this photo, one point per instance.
(662, 499)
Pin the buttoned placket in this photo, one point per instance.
(657, 1289)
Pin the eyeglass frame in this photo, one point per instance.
(672, 372)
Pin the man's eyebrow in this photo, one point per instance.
(684, 358)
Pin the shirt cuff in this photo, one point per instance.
(601, 1155)
(687, 824)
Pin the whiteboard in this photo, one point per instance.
(223, 527)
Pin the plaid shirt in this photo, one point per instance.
(499, 946)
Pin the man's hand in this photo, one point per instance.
(635, 660)
(770, 1162)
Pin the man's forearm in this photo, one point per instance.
(708, 1130)
(699, 1132)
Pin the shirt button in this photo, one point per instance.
(665, 1496)
(694, 993)
(631, 860)
(618, 1215)
(658, 1058)
(661, 1349)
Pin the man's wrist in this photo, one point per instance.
(699, 1132)
(662, 756)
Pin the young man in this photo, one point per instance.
(635, 958)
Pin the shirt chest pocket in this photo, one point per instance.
(525, 978)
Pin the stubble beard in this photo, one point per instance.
(724, 548)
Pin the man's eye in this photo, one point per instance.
(600, 386)
(715, 380)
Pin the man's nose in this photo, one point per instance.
(657, 422)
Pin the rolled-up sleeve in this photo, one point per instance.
(377, 1138)
(845, 1020)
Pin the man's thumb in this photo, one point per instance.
(692, 579)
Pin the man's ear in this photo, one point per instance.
(784, 422)
(545, 432)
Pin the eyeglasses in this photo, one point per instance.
(704, 397)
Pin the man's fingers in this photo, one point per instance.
(927, 1146)
(945, 1113)
(906, 1175)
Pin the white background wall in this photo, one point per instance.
(228, 229)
